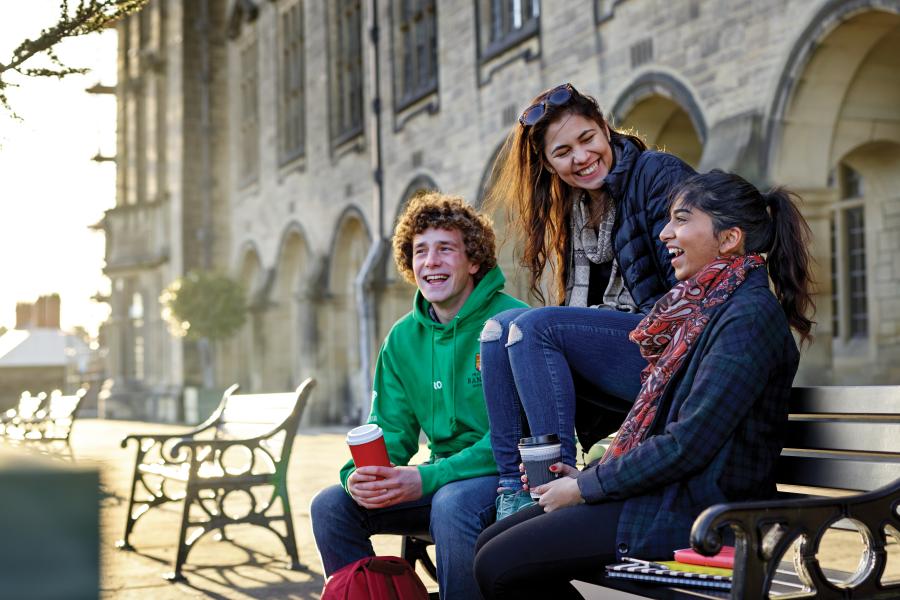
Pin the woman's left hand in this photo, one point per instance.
(559, 494)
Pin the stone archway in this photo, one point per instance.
(834, 118)
(289, 319)
(662, 111)
(339, 325)
(838, 90)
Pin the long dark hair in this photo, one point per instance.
(538, 202)
(772, 225)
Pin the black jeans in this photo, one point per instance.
(533, 554)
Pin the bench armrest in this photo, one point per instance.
(765, 530)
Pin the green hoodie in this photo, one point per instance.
(428, 378)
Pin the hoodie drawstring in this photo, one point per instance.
(453, 379)
(433, 378)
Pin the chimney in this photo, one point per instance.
(24, 315)
(42, 313)
(38, 312)
(50, 313)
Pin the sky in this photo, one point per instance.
(50, 190)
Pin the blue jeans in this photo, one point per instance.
(454, 516)
(542, 365)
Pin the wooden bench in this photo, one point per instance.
(239, 455)
(26, 408)
(48, 428)
(840, 466)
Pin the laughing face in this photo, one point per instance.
(443, 271)
(578, 150)
(692, 242)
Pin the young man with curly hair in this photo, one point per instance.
(428, 379)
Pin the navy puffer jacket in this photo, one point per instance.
(640, 182)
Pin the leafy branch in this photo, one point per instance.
(88, 17)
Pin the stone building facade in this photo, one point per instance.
(277, 141)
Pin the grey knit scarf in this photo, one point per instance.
(594, 246)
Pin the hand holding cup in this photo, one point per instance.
(367, 446)
(539, 454)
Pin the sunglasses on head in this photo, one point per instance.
(555, 97)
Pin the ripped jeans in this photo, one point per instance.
(549, 369)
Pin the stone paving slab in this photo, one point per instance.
(254, 564)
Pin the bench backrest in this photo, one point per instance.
(272, 418)
(842, 437)
(29, 405)
(252, 415)
(61, 409)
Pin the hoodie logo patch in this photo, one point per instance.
(474, 378)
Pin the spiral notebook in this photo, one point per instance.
(673, 574)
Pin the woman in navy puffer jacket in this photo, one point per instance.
(590, 203)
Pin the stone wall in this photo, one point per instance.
(781, 91)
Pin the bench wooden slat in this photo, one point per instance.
(847, 400)
(243, 431)
(829, 471)
(62, 407)
(270, 417)
(28, 406)
(248, 412)
(260, 402)
(849, 436)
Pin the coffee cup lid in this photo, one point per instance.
(364, 434)
(539, 440)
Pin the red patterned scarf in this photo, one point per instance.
(666, 335)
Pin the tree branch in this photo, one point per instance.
(88, 17)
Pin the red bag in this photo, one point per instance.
(375, 578)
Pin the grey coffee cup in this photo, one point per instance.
(538, 453)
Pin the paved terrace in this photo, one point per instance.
(255, 564)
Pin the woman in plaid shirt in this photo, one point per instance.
(709, 421)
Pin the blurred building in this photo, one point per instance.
(37, 356)
(277, 140)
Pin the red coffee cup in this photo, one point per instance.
(367, 446)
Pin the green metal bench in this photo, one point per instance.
(49, 428)
(26, 408)
(240, 453)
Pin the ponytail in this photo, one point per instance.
(789, 260)
(772, 225)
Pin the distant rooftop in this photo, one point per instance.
(39, 347)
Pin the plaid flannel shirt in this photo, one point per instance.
(721, 426)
